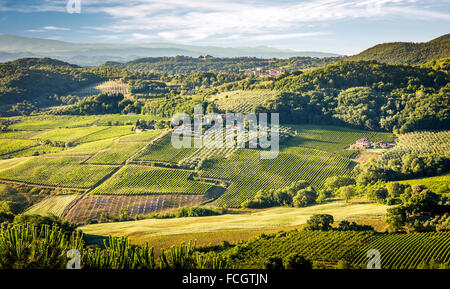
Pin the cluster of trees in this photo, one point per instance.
(103, 104)
(167, 107)
(365, 94)
(323, 222)
(124, 215)
(14, 199)
(191, 212)
(419, 207)
(388, 193)
(298, 194)
(293, 261)
(405, 167)
(30, 83)
(150, 88)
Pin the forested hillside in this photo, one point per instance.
(365, 94)
(184, 64)
(29, 83)
(407, 52)
(362, 94)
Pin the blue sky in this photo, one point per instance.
(345, 27)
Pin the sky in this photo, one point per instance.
(338, 26)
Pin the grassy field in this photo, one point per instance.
(108, 133)
(53, 205)
(137, 180)
(44, 122)
(145, 136)
(270, 219)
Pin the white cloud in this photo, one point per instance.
(258, 20)
(195, 20)
(286, 36)
(56, 28)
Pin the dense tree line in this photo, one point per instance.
(103, 104)
(419, 208)
(185, 64)
(402, 168)
(365, 94)
(29, 83)
(298, 194)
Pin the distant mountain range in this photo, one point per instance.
(13, 47)
(407, 52)
(92, 54)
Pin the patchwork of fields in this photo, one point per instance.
(113, 162)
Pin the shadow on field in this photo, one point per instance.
(95, 240)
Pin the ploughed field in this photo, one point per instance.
(118, 169)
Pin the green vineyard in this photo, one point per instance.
(406, 251)
(60, 172)
(331, 138)
(117, 153)
(248, 173)
(419, 143)
(163, 151)
(242, 101)
(138, 180)
(398, 251)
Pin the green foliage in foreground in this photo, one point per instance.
(46, 247)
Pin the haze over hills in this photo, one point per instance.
(13, 47)
(407, 52)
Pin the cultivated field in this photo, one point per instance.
(55, 205)
(419, 143)
(438, 184)
(326, 249)
(93, 206)
(140, 180)
(59, 172)
(109, 87)
(241, 100)
(163, 151)
(249, 173)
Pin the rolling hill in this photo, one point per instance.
(407, 52)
